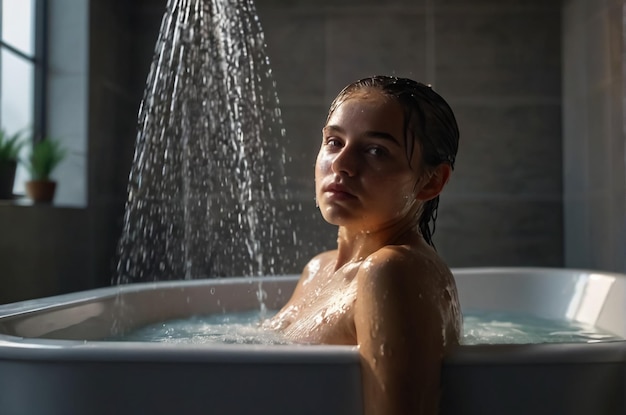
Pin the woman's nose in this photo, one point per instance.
(345, 162)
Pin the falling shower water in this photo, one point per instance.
(209, 152)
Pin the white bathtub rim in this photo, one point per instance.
(74, 298)
(79, 297)
(36, 348)
(68, 350)
(485, 354)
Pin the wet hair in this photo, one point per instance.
(428, 120)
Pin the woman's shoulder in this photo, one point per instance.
(406, 266)
(417, 257)
(399, 278)
(322, 258)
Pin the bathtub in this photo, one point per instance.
(53, 359)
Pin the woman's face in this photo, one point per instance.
(362, 174)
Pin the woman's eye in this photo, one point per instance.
(376, 151)
(333, 142)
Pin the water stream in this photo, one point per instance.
(205, 188)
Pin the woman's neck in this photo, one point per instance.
(354, 245)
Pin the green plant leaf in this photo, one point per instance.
(10, 146)
(44, 158)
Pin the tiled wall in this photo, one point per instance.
(114, 102)
(47, 250)
(497, 62)
(44, 251)
(594, 157)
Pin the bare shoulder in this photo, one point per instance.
(319, 260)
(405, 266)
(411, 285)
(314, 269)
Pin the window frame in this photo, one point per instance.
(40, 65)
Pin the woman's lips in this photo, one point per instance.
(339, 191)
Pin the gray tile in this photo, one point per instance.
(617, 230)
(307, 235)
(500, 233)
(574, 13)
(494, 53)
(364, 45)
(112, 144)
(614, 21)
(143, 40)
(575, 104)
(575, 136)
(598, 142)
(334, 4)
(110, 38)
(44, 251)
(494, 3)
(107, 223)
(617, 143)
(508, 149)
(303, 125)
(150, 6)
(593, 7)
(577, 246)
(574, 60)
(295, 46)
(601, 236)
(597, 51)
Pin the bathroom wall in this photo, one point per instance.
(48, 250)
(498, 63)
(593, 118)
(115, 94)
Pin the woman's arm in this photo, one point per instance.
(400, 335)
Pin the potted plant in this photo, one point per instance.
(10, 146)
(43, 159)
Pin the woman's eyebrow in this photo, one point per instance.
(370, 133)
(333, 128)
(382, 135)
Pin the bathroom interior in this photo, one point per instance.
(537, 87)
(540, 180)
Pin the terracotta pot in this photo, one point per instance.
(7, 176)
(41, 191)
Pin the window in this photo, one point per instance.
(22, 71)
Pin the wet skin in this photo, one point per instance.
(384, 288)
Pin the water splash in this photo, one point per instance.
(209, 152)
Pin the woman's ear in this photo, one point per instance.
(435, 183)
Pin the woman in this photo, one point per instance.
(388, 148)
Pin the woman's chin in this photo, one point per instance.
(336, 215)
